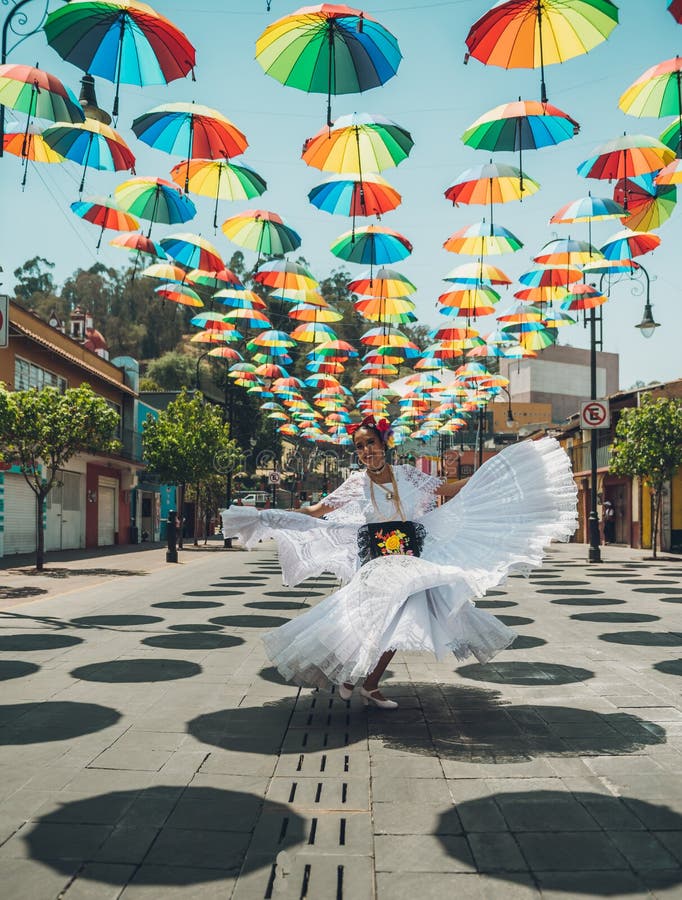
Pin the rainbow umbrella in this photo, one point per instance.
(649, 204)
(285, 275)
(192, 251)
(531, 34)
(305, 312)
(396, 310)
(37, 93)
(346, 195)
(657, 92)
(335, 348)
(520, 313)
(91, 144)
(382, 283)
(213, 320)
(30, 146)
(556, 318)
(154, 200)
(124, 41)
(671, 174)
(567, 252)
(541, 294)
(225, 353)
(582, 297)
(358, 143)
(272, 339)
(672, 138)
(191, 130)
(248, 318)
(328, 49)
(261, 231)
(180, 294)
(588, 209)
(481, 239)
(675, 9)
(215, 279)
(628, 244)
(522, 125)
(219, 179)
(313, 333)
(491, 183)
(551, 276)
(473, 301)
(610, 267)
(213, 336)
(103, 212)
(166, 272)
(626, 156)
(239, 299)
(138, 243)
(477, 273)
(372, 245)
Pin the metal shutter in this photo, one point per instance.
(20, 515)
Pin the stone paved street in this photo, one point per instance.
(149, 751)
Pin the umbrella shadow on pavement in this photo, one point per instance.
(26, 643)
(644, 638)
(250, 621)
(463, 723)
(33, 723)
(526, 673)
(166, 836)
(134, 671)
(580, 843)
(14, 668)
(196, 641)
(669, 666)
(114, 621)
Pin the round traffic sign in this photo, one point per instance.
(595, 414)
(274, 477)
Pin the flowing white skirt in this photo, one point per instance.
(510, 510)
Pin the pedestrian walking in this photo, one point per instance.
(410, 567)
(609, 517)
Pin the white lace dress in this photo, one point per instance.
(510, 510)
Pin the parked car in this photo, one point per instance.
(255, 498)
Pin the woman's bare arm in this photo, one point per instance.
(317, 510)
(448, 490)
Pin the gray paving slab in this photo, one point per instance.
(149, 750)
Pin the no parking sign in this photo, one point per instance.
(595, 414)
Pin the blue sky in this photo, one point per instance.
(435, 97)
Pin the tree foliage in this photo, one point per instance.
(648, 445)
(173, 371)
(40, 430)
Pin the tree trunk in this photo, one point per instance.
(655, 522)
(197, 486)
(181, 505)
(40, 534)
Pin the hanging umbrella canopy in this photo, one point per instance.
(372, 245)
(610, 267)
(477, 273)
(556, 318)
(218, 179)
(358, 144)
(124, 41)
(672, 137)
(628, 244)
(313, 332)
(588, 209)
(336, 348)
(261, 231)
(103, 212)
(491, 183)
(566, 252)
(90, 144)
(541, 294)
(481, 239)
(395, 310)
(382, 283)
(182, 295)
(520, 313)
(531, 34)
(239, 299)
(551, 276)
(671, 174)
(521, 125)
(631, 154)
(213, 336)
(30, 146)
(328, 49)
(154, 200)
(248, 318)
(304, 312)
(475, 301)
(138, 243)
(675, 10)
(166, 272)
(581, 297)
(211, 320)
(272, 339)
(649, 204)
(285, 275)
(348, 195)
(192, 251)
(225, 353)
(32, 91)
(215, 279)
(656, 93)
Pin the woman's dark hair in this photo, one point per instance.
(382, 435)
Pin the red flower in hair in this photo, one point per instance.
(382, 426)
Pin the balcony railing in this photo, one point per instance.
(131, 444)
(580, 454)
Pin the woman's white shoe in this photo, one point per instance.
(368, 697)
(345, 692)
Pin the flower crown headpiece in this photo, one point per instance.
(382, 426)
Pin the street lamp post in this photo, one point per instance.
(594, 553)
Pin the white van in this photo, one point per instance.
(255, 498)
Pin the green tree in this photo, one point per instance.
(173, 371)
(186, 443)
(34, 277)
(648, 445)
(40, 430)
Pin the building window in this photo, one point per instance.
(29, 375)
(118, 431)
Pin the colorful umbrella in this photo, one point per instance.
(182, 295)
(214, 336)
(212, 320)
(627, 244)
(522, 125)
(285, 275)
(91, 144)
(383, 283)
(358, 143)
(191, 130)
(305, 312)
(313, 332)
(395, 310)
(631, 154)
(582, 297)
(481, 239)
(345, 195)
(491, 183)
(218, 179)
(470, 301)
(215, 279)
(328, 49)
(372, 245)
(124, 41)
(102, 211)
(649, 204)
(38, 94)
(477, 273)
(531, 34)
(656, 93)
(166, 272)
(566, 252)
(588, 209)
(261, 231)
(675, 10)
(154, 200)
(551, 276)
(225, 353)
(672, 137)
(248, 318)
(138, 243)
(239, 299)
(30, 146)
(192, 251)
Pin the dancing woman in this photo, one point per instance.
(411, 568)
